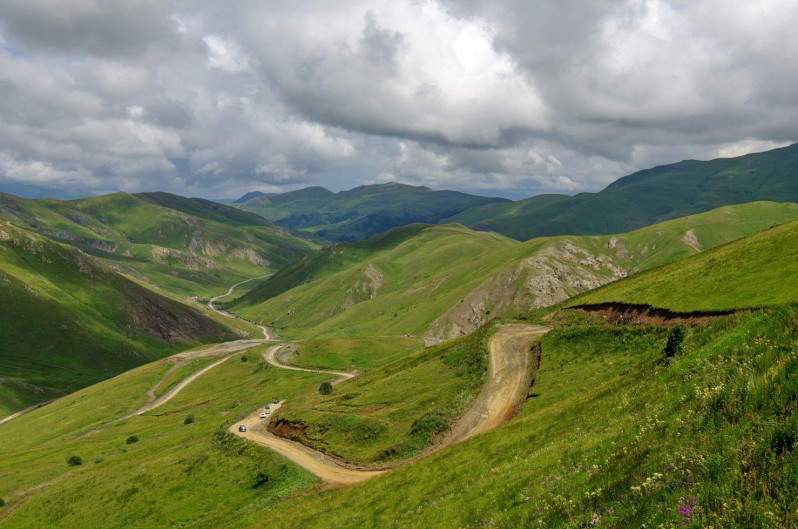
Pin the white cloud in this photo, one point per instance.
(515, 97)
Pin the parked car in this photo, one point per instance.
(268, 410)
(262, 415)
(276, 401)
(242, 428)
(268, 407)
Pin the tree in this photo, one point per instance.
(132, 439)
(74, 461)
(325, 388)
(675, 339)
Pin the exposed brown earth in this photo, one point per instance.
(627, 314)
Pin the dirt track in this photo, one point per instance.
(270, 356)
(507, 376)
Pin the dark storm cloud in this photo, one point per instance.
(95, 27)
(513, 97)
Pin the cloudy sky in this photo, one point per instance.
(511, 98)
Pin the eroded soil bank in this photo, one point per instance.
(629, 314)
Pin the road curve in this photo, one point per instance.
(312, 460)
(506, 386)
(270, 356)
(230, 291)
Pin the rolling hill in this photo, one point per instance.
(443, 281)
(758, 271)
(612, 432)
(646, 197)
(187, 246)
(68, 321)
(361, 212)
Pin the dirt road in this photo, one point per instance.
(506, 386)
(270, 356)
(230, 291)
(311, 460)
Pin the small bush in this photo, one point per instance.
(325, 388)
(244, 358)
(74, 461)
(2, 502)
(675, 339)
(189, 419)
(261, 478)
(132, 439)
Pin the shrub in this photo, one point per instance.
(675, 339)
(261, 478)
(325, 388)
(244, 358)
(433, 422)
(189, 419)
(2, 502)
(132, 439)
(74, 461)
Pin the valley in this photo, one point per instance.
(427, 376)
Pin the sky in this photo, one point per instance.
(511, 98)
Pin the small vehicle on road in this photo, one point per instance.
(267, 407)
(262, 415)
(276, 401)
(242, 428)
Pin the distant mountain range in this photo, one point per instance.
(632, 202)
(363, 211)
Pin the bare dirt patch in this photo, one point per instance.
(628, 314)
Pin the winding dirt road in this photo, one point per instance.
(506, 387)
(270, 356)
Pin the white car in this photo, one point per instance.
(262, 415)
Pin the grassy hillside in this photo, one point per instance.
(67, 321)
(184, 245)
(394, 411)
(613, 436)
(646, 197)
(758, 271)
(447, 280)
(610, 434)
(176, 474)
(361, 212)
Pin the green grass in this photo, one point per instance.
(392, 412)
(157, 481)
(352, 353)
(67, 321)
(613, 429)
(187, 246)
(434, 277)
(758, 271)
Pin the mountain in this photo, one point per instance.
(249, 196)
(758, 271)
(68, 321)
(188, 246)
(612, 433)
(646, 197)
(364, 211)
(441, 281)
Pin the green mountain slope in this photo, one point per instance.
(612, 434)
(444, 281)
(364, 211)
(649, 196)
(67, 321)
(758, 271)
(185, 245)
